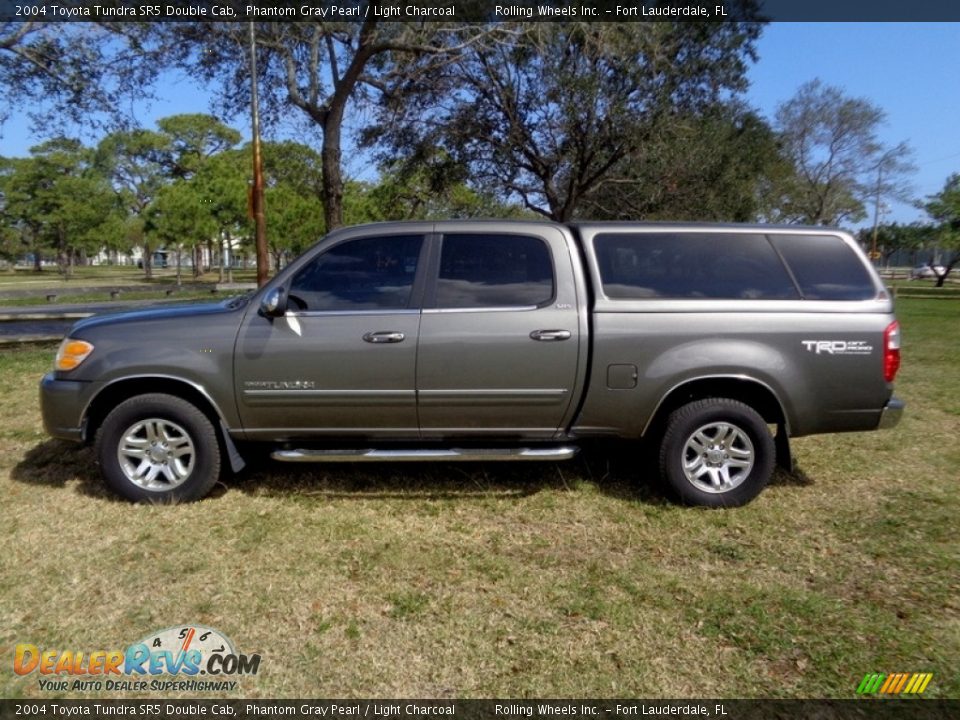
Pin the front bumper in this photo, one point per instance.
(891, 413)
(62, 403)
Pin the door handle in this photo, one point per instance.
(550, 335)
(384, 336)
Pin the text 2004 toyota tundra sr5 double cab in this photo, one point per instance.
(496, 340)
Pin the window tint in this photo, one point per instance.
(373, 273)
(826, 268)
(494, 271)
(691, 265)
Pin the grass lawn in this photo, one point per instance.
(105, 275)
(98, 297)
(503, 580)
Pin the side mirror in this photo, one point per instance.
(274, 303)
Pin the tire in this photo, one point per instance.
(159, 449)
(716, 453)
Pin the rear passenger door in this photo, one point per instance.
(499, 336)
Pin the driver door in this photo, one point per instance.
(342, 361)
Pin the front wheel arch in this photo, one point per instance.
(117, 391)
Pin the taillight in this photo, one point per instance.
(891, 351)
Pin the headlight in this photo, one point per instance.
(71, 353)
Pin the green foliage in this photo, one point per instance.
(58, 200)
(294, 164)
(319, 71)
(894, 237)
(708, 167)
(78, 73)
(551, 113)
(143, 164)
(178, 218)
(945, 205)
(192, 140)
(294, 180)
(945, 208)
(221, 186)
(294, 221)
(431, 187)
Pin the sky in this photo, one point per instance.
(910, 70)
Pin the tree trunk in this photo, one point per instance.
(179, 276)
(228, 257)
(332, 182)
(220, 263)
(147, 262)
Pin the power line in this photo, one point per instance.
(946, 157)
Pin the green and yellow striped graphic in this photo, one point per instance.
(894, 683)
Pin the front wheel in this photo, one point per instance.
(158, 448)
(716, 453)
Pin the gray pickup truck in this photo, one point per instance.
(496, 340)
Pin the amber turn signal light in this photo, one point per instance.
(71, 353)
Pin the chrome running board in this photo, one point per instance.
(440, 454)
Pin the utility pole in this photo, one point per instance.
(259, 217)
(876, 209)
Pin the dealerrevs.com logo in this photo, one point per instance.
(183, 657)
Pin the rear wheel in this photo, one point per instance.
(158, 448)
(716, 453)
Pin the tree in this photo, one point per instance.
(21, 225)
(141, 162)
(893, 237)
(318, 69)
(58, 200)
(944, 207)
(710, 166)
(193, 139)
(296, 220)
(839, 163)
(79, 72)
(177, 218)
(293, 174)
(221, 184)
(547, 112)
(435, 187)
(134, 161)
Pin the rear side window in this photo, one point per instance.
(480, 270)
(691, 265)
(826, 268)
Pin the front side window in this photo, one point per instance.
(374, 273)
(691, 265)
(481, 271)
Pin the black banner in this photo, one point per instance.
(866, 709)
(477, 10)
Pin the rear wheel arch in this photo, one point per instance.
(751, 392)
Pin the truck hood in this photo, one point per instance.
(160, 313)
